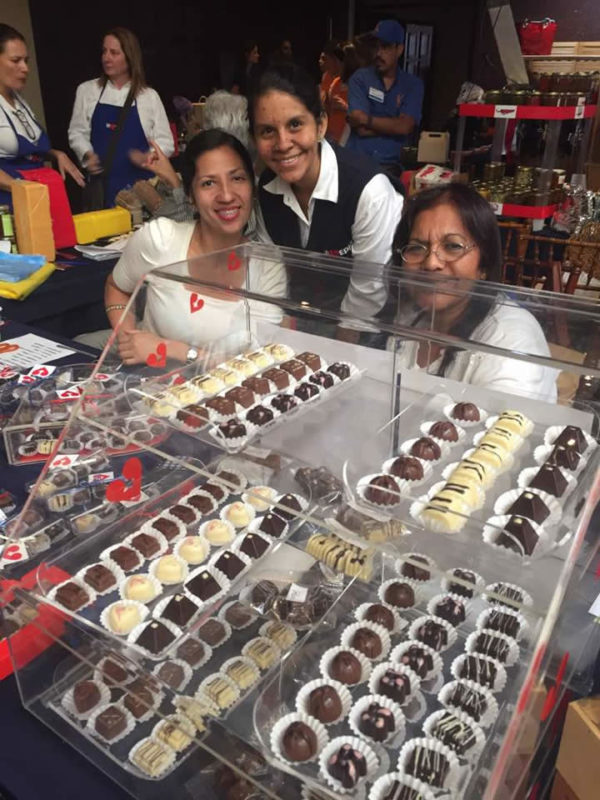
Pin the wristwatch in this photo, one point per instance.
(191, 355)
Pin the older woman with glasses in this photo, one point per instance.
(23, 142)
(450, 231)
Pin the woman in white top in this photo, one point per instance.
(98, 109)
(451, 231)
(218, 176)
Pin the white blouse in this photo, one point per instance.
(9, 146)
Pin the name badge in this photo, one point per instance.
(376, 94)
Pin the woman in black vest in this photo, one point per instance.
(320, 197)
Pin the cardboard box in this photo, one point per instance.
(561, 789)
(434, 147)
(579, 756)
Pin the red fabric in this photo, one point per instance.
(63, 226)
(537, 37)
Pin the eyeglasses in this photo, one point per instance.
(451, 248)
(29, 129)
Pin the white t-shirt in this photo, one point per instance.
(164, 243)
(153, 116)
(9, 146)
(507, 326)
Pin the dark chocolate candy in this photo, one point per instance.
(147, 545)
(530, 505)
(230, 478)
(284, 402)
(194, 416)
(299, 742)
(453, 611)
(468, 700)
(172, 674)
(238, 615)
(340, 370)
(312, 360)
(345, 668)
(224, 406)
(86, 695)
(323, 379)
(306, 391)
(212, 632)
(573, 437)
(549, 478)
(191, 651)
(272, 524)
(287, 505)
(503, 622)
(232, 429)
(407, 468)
(230, 564)
(215, 490)
(72, 596)
(257, 385)
(260, 415)
(399, 594)
(155, 637)
(434, 634)
(179, 610)
(347, 766)
(427, 765)
(394, 685)
(400, 791)
(426, 448)
(278, 377)
(324, 704)
(479, 670)
(564, 456)
(99, 577)
(110, 722)
(241, 395)
(264, 594)
(444, 430)
(167, 527)
(381, 615)
(184, 513)
(493, 646)
(460, 588)
(253, 546)
(411, 570)
(138, 699)
(296, 368)
(126, 557)
(200, 502)
(377, 722)
(466, 412)
(367, 642)
(509, 595)
(454, 733)
(518, 535)
(418, 659)
(203, 585)
(383, 490)
(113, 672)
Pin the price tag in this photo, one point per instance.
(297, 594)
(26, 380)
(595, 607)
(142, 499)
(73, 393)
(579, 112)
(497, 208)
(42, 370)
(505, 112)
(62, 462)
(13, 553)
(102, 376)
(101, 477)
(7, 372)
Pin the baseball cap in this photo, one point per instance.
(390, 31)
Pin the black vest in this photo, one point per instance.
(330, 230)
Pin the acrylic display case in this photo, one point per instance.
(297, 525)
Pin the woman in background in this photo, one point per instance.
(99, 109)
(336, 104)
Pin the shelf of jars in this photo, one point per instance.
(513, 110)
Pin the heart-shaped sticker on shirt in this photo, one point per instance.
(119, 490)
(159, 358)
(233, 262)
(196, 302)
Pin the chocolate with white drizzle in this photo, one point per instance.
(454, 733)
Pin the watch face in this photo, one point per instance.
(192, 354)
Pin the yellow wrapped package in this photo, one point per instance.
(22, 289)
(33, 223)
(95, 225)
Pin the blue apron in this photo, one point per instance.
(30, 155)
(123, 173)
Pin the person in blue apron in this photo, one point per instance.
(117, 114)
(24, 144)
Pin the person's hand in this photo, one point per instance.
(66, 167)
(135, 346)
(92, 163)
(357, 118)
(338, 103)
(157, 162)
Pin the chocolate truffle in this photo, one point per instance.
(299, 742)
(203, 585)
(272, 524)
(531, 506)
(215, 490)
(510, 595)
(306, 391)
(110, 722)
(549, 478)
(86, 695)
(324, 704)
(399, 595)
(147, 545)
(381, 615)
(573, 437)
(411, 570)
(383, 490)
(212, 632)
(407, 468)
(566, 457)
(418, 659)
(345, 668)
(444, 430)
(377, 722)
(166, 527)
(232, 429)
(241, 395)
(367, 642)
(493, 646)
(518, 535)
(323, 379)
(238, 616)
(466, 412)
(194, 416)
(468, 700)
(99, 577)
(172, 674)
(264, 594)
(278, 377)
(222, 405)
(155, 637)
(453, 611)
(179, 610)
(340, 370)
(72, 596)
(284, 403)
(296, 368)
(428, 765)
(347, 766)
(230, 564)
(260, 415)
(479, 670)
(259, 386)
(460, 588)
(191, 651)
(253, 546)
(200, 502)
(434, 634)
(394, 685)
(503, 623)
(400, 791)
(112, 672)
(312, 360)
(138, 699)
(426, 448)
(183, 512)
(287, 505)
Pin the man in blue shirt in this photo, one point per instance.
(384, 102)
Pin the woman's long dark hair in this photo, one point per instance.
(479, 220)
(8, 34)
(290, 79)
(211, 140)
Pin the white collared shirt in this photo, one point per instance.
(153, 116)
(377, 215)
(9, 145)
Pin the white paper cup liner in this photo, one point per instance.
(362, 485)
(88, 589)
(239, 539)
(400, 624)
(221, 579)
(488, 478)
(356, 743)
(506, 466)
(404, 482)
(379, 671)
(415, 708)
(396, 737)
(475, 588)
(204, 531)
(282, 725)
(464, 601)
(303, 696)
(234, 487)
(383, 633)
(444, 448)
(261, 503)
(505, 501)
(118, 573)
(483, 620)
(400, 649)
(147, 526)
(528, 474)
(554, 431)
(432, 744)
(183, 723)
(432, 685)
(491, 712)
(513, 648)
(493, 595)
(188, 673)
(105, 616)
(195, 562)
(382, 786)
(416, 562)
(265, 630)
(483, 415)
(276, 650)
(91, 724)
(499, 680)
(156, 587)
(494, 527)
(169, 759)
(475, 750)
(425, 426)
(222, 615)
(330, 654)
(249, 663)
(158, 609)
(68, 703)
(413, 631)
(198, 491)
(105, 556)
(254, 527)
(163, 544)
(224, 515)
(543, 452)
(514, 447)
(452, 522)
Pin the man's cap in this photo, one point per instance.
(389, 31)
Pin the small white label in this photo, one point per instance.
(63, 462)
(505, 112)
(497, 208)
(297, 594)
(376, 94)
(141, 499)
(595, 607)
(73, 393)
(42, 370)
(26, 380)
(101, 477)
(7, 372)
(13, 553)
(579, 112)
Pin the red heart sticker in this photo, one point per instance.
(196, 303)
(233, 262)
(118, 490)
(158, 359)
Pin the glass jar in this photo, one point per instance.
(534, 98)
(493, 96)
(554, 82)
(550, 99)
(543, 82)
(524, 177)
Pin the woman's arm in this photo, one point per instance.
(160, 130)
(66, 167)
(6, 181)
(79, 126)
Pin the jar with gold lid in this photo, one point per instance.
(550, 99)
